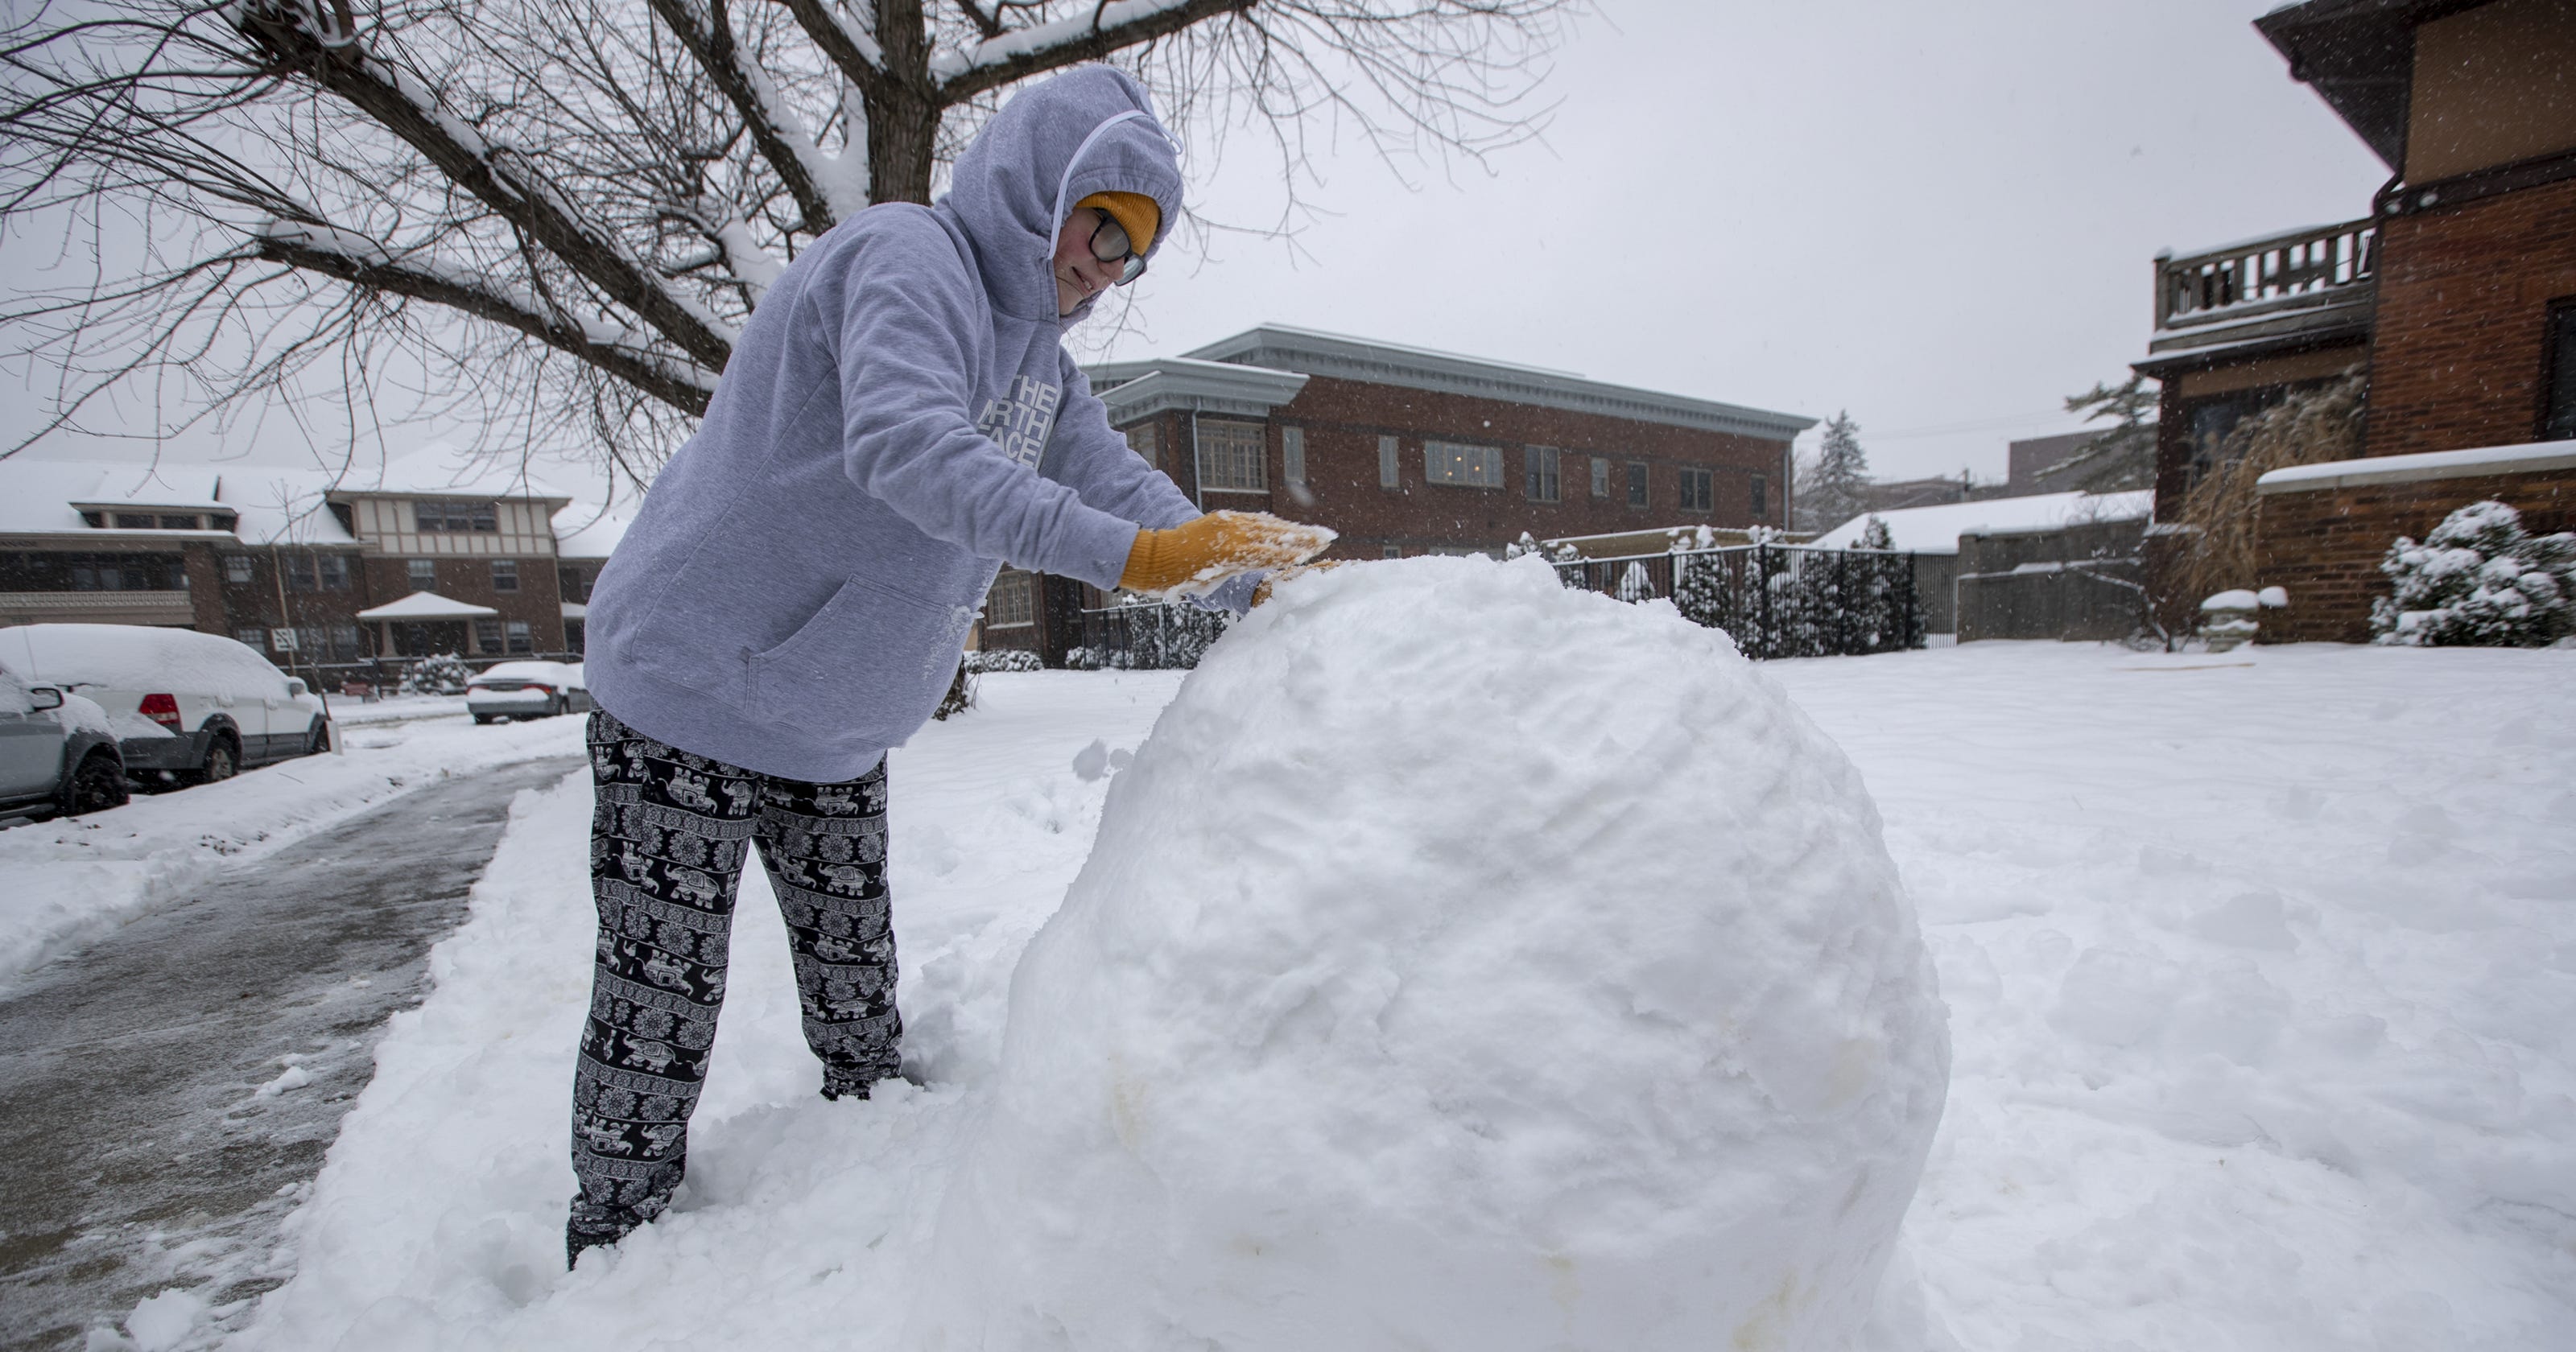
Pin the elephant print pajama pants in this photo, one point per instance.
(667, 841)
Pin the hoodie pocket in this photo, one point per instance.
(870, 666)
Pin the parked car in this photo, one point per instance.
(186, 707)
(527, 690)
(57, 750)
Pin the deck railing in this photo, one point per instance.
(2316, 267)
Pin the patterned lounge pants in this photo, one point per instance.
(667, 840)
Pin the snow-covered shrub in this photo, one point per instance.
(444, 674)
(1406, 1000)
(2478, 580)
(984, 660)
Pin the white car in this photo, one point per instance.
(56, 751)
(527, 690)
(186, 707)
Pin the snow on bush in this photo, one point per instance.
(1464, 962)
(1002, 659)
(2478, 580)
(444, 674)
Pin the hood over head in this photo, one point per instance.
(1091, 129)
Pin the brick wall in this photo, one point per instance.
(2463, 297)
(2325, 545)
(1343, 419)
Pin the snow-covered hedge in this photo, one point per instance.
(445, 674)
(1002, 659)
(2478, 580)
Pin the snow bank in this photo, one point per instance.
(1464, 962)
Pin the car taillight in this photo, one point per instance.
(540, 689)
(161, 709)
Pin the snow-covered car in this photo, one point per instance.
(527, 690)
(186, 707)
(56, 750)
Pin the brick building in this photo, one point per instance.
(1405, 451)
(320, 576)
(2456, 297)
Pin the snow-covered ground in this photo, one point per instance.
(64, 882)
(2261, 970)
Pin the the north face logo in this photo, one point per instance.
(1019, 424)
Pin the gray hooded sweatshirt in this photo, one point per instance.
(899, 416)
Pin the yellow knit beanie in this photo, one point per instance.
(1135, 213)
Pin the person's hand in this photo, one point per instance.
(1261, 593)
(1196, 555)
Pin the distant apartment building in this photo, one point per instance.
(1405, 451)
(314, 572)
(2455, 298)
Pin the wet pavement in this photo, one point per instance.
(167, 1095)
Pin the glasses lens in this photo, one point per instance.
(1109, 242)
(1135, 269)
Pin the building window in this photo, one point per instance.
(2558, 416)
(1390, 551)
(1637, 496)
(1600, 477)
(317, 572)
(1147, 442)
(1230, 456)
(178, 523)
(345, 643)
(1538, 477)
(424, 574)
(1012, 604)
(1761, 498)
(1698, 491)
(1389, 474)
(487, 636)
(1292, 454)
(1448, 462)
(574, 582)
(237, 569)
(505, 575)
(251, 637)
(454, 517)
(521, 640)
(134, 521)
(51, 572)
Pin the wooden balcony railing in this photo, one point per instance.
(2316, 268)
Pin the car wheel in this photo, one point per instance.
(563, 705)
(97, 785)
(484, 718)
(223, 761)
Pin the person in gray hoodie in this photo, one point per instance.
(898, 419)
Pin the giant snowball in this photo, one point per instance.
(1464, 963)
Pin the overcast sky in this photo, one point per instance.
(1940, 217)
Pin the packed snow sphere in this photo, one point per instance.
(1463, 963)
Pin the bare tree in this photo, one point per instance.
(554, 215)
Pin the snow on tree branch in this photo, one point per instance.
(1110, 27)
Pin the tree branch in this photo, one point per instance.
(852, 52)
(717, 54)
(1031, 51)
(316, 249)
(400, 106)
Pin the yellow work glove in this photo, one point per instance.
(1196, 555)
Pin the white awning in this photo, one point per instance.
(427, 606)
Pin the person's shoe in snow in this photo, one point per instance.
(594, 1226)
(838, 1087)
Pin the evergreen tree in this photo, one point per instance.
(1831, 489)
(2478, 580)
(2124, 455)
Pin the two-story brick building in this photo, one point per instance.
(2455, 297)
(313, 570)
(1407, 451)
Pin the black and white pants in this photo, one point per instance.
(667, 840)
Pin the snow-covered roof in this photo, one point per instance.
(582, 531)
(41, 495)
(427, 606)
(1936, 530)
(2527, 458)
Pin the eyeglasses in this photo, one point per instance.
(1110, 244)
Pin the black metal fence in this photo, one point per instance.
(1774, 600)
(1158, 637)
